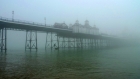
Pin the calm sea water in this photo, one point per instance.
(116, 63)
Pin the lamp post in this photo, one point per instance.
(45, 21)
(12, 15)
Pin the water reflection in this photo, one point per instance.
(2, 62)
(70, 64)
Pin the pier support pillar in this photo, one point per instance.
(3, 40)
(81, 42)
(46, 41)
(78, 43)
(91, 40)
(71, 42)
(74, 43)
(95, 42)
(53, 41)
(63, 43)
(31, 40)
(68, 42)
(57, 41)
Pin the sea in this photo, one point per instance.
(109, 63)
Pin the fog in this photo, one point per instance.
(113, 17)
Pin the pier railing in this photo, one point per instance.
(17, 21)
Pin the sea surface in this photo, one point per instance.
(114, 63)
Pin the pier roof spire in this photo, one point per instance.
(86, 23)
(77, 22)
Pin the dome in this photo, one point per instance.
(77, 21)
(86, 22)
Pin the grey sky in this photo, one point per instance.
(106, 14)
(110, 16)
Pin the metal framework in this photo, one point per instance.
(55, 41)
(31, 40)
(52, 41)
(3, 40)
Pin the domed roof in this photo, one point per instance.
(86, 21)
(77, 21)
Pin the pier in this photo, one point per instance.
(55, 37)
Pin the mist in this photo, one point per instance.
(98, 55)
(113, 17)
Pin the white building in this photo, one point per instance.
(86, 29)
(95, 30)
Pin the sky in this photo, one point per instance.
(114, 17)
